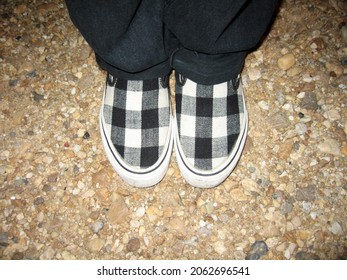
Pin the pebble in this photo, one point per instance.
(238, 195)
(96, 244)
(39, 201)
(38, 97)
(103, 178)
(337, 70)
(263, 105)
(249, 186)
(20, 9)
(306, 256)
(278, 120)
(3, 239)
(332, 115)
(287, 61)
(48, 254)
(306, 193)
(318, 44)
(86, 135)
(80, 133)
(285, 149)
(118, 212)
(343, 33)
(286, 208)
(336, 228)
(219, 247)
(66, 255)
(140, 212)
(133, 245)
(309, 101)
(300, 128)
(97, 226)
(257, 251)
(294, 71)
(254, 74)
(289, 251)
(330, 146)
(177, 224)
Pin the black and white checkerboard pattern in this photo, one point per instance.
(137, 117)
(208, 121)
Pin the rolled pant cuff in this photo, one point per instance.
(207, 69)
(156, 71)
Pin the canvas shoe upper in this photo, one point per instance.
(135, 122)
(210, 130)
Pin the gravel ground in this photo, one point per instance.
(60, 198)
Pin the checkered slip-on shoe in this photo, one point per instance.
(210, 130)
(135, 124)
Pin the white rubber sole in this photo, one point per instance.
(140, 178)
(211, 178)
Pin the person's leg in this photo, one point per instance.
(216, 36)
(128, 37)
(211, 116)
(131, 44)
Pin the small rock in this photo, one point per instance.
(47, 188)
(86, 135)
(287, 61)
(48, 254)
(140, 212)
(118, 212)
(133, 245)
(330, 146)
(254, 74)
(333, 115)
(296, 221)
(344, 150)
(294, 71)
(286, 208)
(343, 33)
(249, 186)
(318, 44)
(238, 195)
(52, 178)
(103, 177)
(258, 250)
(47, 7)
(37, 97)
(39, 201)
(336, 228)
(333, 68)
(289, 251)
(31, 74)
(285, 149)
(306, 256)
(301, 128)
(309, 101)
(278, 120)
(219, 247)
(97, 226)
(178, 225)
(307, 206)
(306, 194)
(68, 256)
(259, 56)
(263, 105)
(80, 133)
(17, 256)
(3, 239)
(20, 9)
(96, 244)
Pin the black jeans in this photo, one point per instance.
(204, 40)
